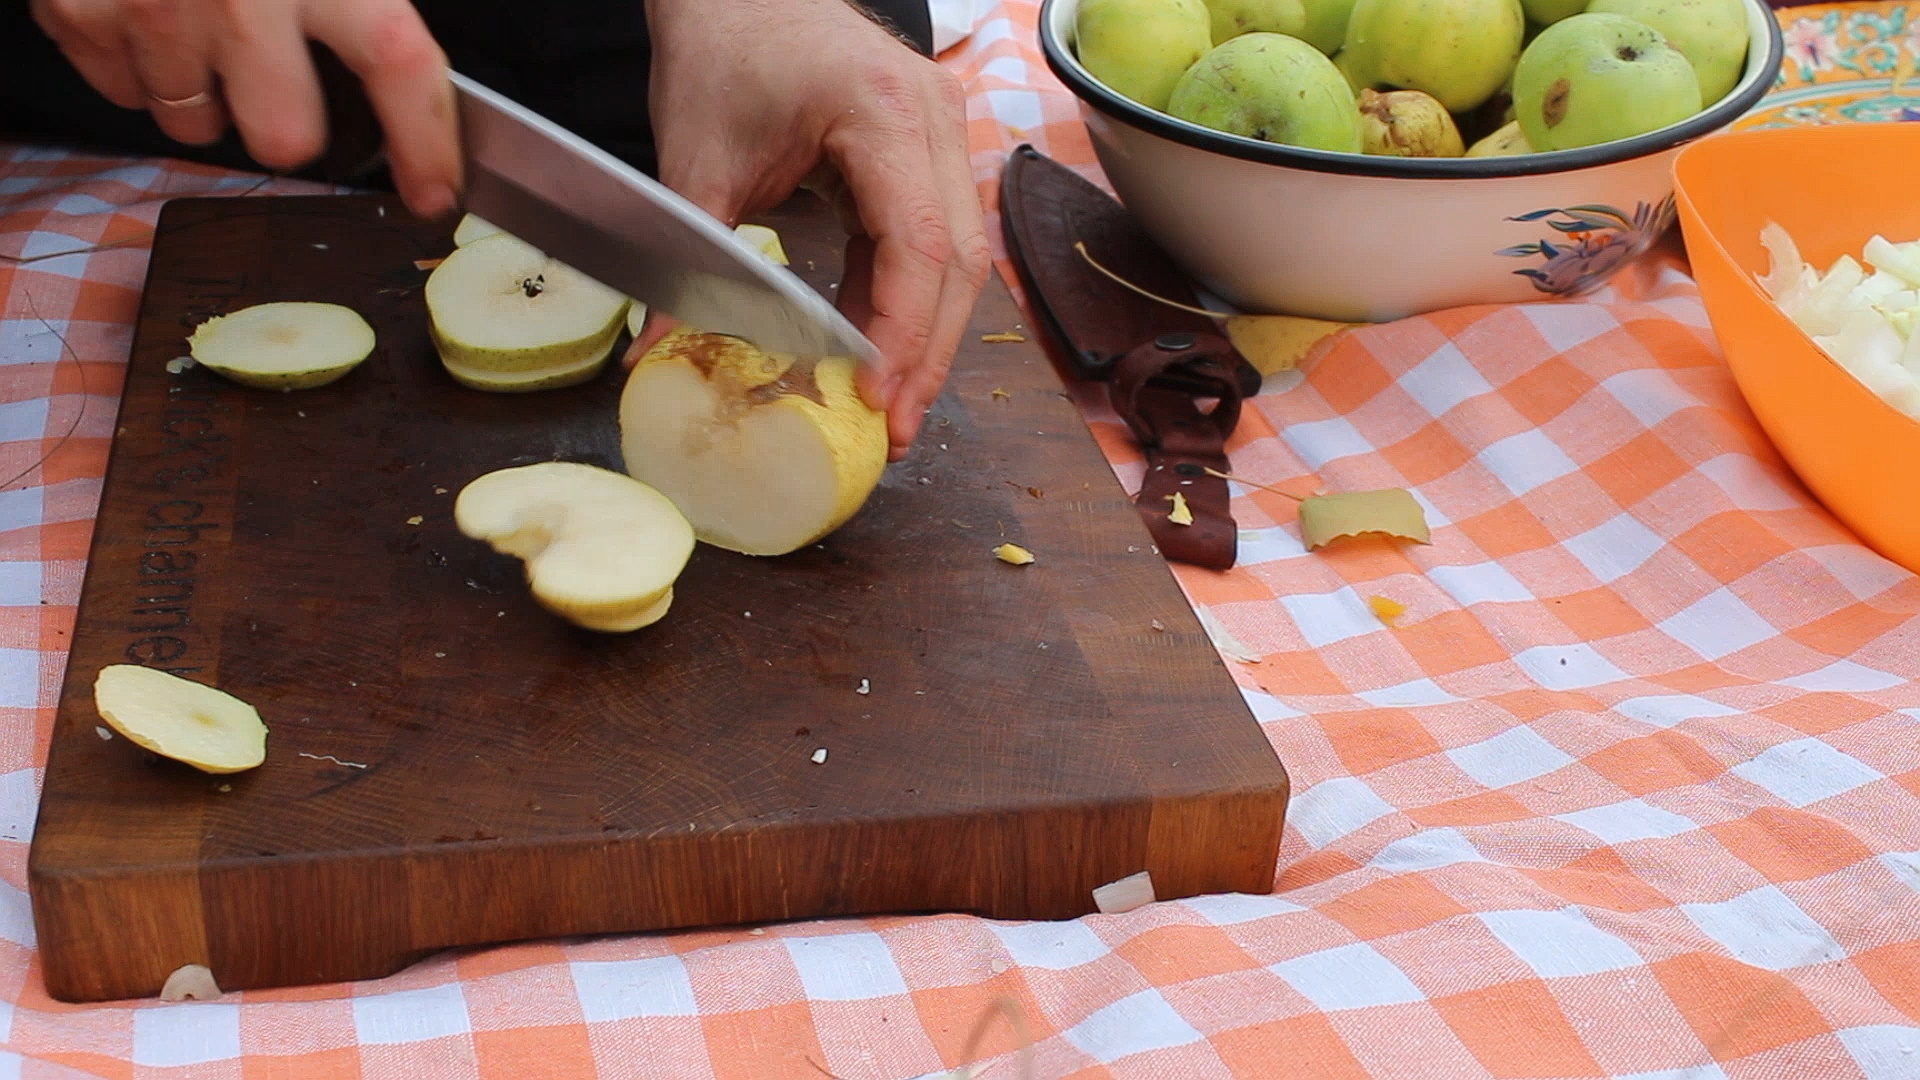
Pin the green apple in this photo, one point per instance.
(1270, 87)
(1140, 48)
(1547, 12)
(1711, 34)
(1326, 26)
(1407, 123)
(1596, 77)
(1231, 18)
(500, 310)
(1459, 51)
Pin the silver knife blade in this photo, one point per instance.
(610, 221)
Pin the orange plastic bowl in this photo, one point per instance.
(1831, 188)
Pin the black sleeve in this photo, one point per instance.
(581, 63)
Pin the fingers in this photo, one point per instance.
(91, 37)
(929, 256)
(966, 271)
(270, 84)
(890, 175)
(655, 326)
(389, 47)
(169, 44)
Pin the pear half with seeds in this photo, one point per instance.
(502, 312)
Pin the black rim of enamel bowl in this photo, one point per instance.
(1132, 113)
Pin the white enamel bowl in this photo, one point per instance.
(1359, 238)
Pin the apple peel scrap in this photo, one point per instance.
(1390, 511)
(285, 345)
(601, 549)
(178, 718)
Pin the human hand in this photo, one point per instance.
(753, 99)
(200, 64)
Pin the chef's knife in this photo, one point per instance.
(612, 222)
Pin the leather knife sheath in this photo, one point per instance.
(1173, 379)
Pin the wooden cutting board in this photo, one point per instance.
(449, 765)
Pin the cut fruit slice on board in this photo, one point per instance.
(636, 316)
(501, 305)
(286, 345)
(471, 228)
(601, 548)
(762, 453)
(521, 382)
(764, 238)
(177, 718)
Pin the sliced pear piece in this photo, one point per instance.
(636, 316)
(177, 718)
(501, 305)
(522, 382)
(767, 240)
(601, 548)
(473, 227)
(764, 453)
(286, 345)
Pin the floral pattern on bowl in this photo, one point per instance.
(1845, 64)
(1596, 240)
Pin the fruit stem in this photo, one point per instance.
(1081, 247)
(1255, 483)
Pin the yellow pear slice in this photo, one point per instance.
(286, 345)
(471, 228)
(763, 453)
(521, 382)
(501, 305)
(601, 548)
(764, 238)
(178, 718)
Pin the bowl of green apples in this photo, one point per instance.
(1367, 160)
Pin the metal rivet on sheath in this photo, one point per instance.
(1174, 342)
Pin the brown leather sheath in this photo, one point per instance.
(1174, 380)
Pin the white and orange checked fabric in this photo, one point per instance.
(1632, 791)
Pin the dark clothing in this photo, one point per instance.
(580, 63)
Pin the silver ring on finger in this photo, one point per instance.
(191, 101)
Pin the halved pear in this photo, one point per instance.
(764, 453)
(178, 718)
(285, 345)
(501, 305)
(472, 227)
(601, 548)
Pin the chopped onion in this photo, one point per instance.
(1865, 322)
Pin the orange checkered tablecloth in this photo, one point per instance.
(1633, 790)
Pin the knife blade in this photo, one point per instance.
(610, 221)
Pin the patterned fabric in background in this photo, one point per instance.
(1632, 790)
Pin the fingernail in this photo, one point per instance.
(435, 201)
